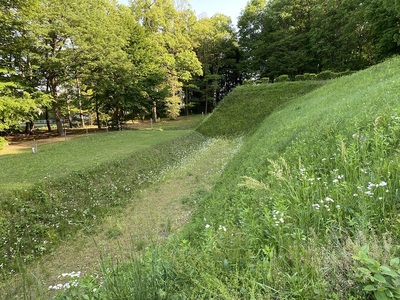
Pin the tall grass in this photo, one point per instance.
(318, 180)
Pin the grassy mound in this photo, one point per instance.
(243, 110)
(307, 210)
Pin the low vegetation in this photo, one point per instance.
(308, 209)
(99, 173)
(75, 155)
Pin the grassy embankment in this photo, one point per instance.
(308, 209)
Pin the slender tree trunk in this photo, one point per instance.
(53, 84)
(187, 101)
(56, 108)
(78, 88)
(47, 119)
(154, 112)
(206, 107)
(96, 103)
(69, 114)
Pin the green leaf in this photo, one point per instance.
(385, 270)
(394, 262)
(364, 271)
(378, 277)
(396, 293)
(365, 249)
(369, 288)
(380, 295)
(396, 282)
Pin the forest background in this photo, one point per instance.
(100, 62)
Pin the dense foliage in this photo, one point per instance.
(295, 37)
(110, 62)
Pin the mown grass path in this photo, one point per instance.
(157, 213)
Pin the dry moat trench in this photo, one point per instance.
(156, 213)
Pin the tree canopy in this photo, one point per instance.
(60, 58)
(299, 36)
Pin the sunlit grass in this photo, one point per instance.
(245, 108)
(76, 154)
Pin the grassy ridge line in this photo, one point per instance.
(33, 221)
(322, 179)
(245, 108)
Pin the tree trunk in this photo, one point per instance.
(206, 107)
(78, 88)
(29, 126)
(59, 123)
(56, 108)
(96, 103)
(69, 114)
(154, 112)
(47, 119)
(187, 101)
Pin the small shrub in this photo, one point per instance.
(310, 76)
(3, 143)
(326, 75)
(248, 82)
(263, 80)
(381, 280)
(282, 78)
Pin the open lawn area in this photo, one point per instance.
(75, 154)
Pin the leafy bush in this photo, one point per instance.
(3, 143)
(382, 280)
(282, 78)
(310, 76)
(325, 75)
(263, 80)
(345, 73)
(248, 82)
(299, 78)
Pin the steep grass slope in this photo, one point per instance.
(243, 110)
(308, 209)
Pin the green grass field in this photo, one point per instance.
(21, 171)
(307, 209)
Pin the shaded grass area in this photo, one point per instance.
(34, 220)
(78, 154)
(245, 108)
(288, 220)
